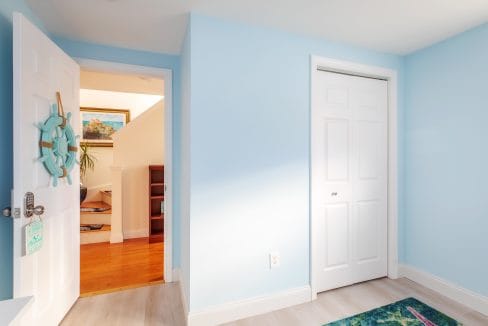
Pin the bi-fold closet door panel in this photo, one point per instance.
(349, 144)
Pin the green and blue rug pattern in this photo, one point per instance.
(407, 312)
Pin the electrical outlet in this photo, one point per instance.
(274, 259)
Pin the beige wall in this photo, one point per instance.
(100, 177)
(137, 146)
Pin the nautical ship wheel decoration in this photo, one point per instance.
(58, 143)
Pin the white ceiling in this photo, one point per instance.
(395, 26)
(135, 103)
(127, 83)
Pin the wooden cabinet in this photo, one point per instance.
(156, 202)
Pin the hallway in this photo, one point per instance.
(106, 267)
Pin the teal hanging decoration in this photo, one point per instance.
(58, 143)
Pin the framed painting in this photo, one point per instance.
(98, 125)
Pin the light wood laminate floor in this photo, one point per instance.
(161, 305)
(106, 267)
(149, 305)
(351, 300)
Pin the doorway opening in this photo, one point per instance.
(124, 210)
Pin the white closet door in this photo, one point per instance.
(349, 178)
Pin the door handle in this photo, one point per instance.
(333, 194)
(29, 208)
(38, 210)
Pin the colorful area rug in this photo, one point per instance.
(407, 312)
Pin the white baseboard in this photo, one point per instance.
(231, 311)
(455, 292)
(116, 237)
(178, 278)
(133, 234)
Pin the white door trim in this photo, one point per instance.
(356, 69)
(167, 76)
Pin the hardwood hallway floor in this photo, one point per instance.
(106, 267)
(161, 305)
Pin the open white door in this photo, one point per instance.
(51, 274)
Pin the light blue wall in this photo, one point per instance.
(250, 118)
(446, 163)
(85, 50)
(184, 129)
(7, 7)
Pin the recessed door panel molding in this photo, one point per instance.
(334, 97)
(353, 122)
(40, 179)
(369, 145)
(337, 101)
(337, 230)
(367, 231)
(337, 150)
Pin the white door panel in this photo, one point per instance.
(337, 150)
(51, 275)
(336, 225)
(367, 230)
(349, 151)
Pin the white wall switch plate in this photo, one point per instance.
(274, 259)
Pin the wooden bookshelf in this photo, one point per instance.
(156, 197)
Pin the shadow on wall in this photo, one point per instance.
(135, 207)
(244, 217)
(6, 161)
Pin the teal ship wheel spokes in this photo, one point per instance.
(58, 143)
